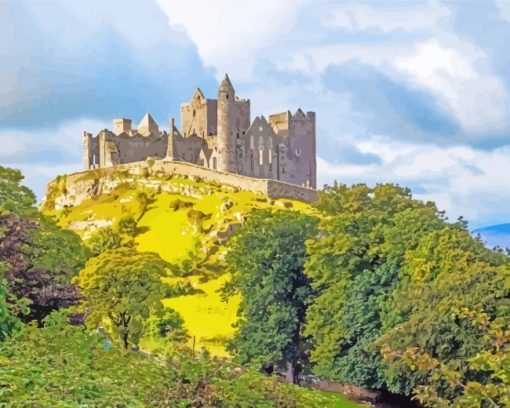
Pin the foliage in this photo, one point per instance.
(388, 269)
(127, 225)
(179, 204)
(447, 271)
(123, 286)
(266, 260)
(354, 266)
(10, 309)
(67, 366)
(105, 239)
(166, 324)
(495, 360)
(14, 197)
(39, 257)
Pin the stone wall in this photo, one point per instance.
(152, 173)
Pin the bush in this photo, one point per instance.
(103, 240)
(128, 225)
(179, 204)
(67, 366)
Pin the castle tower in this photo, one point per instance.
(225, 137)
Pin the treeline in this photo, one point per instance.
(376, 289)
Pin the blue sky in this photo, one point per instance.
(410, 92)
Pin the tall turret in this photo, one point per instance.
(226, 137)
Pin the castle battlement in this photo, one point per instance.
(217, 134)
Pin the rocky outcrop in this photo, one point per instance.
(71, 190)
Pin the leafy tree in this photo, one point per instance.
(123, 286)
(387, 270)
(447, 271)
(266, 259)
(10, 309)
(354, 267)
(39, 257)
(492, 391)
(15, 197)
(104, 239)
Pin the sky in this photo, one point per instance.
(414, 93)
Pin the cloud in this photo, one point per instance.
(386, 17)
(63, 60)
(225, 30)
(478, 101)
(45, 153)
(460, 179)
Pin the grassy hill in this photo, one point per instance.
(186, 221)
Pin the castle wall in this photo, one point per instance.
(85, 185)
(108, 149)
(88, 150)
(217, 134)
(189, 148)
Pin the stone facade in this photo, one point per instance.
(217, 134)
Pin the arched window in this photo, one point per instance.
(214, 163)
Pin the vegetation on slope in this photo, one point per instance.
(50, 362)
(387, 294)
(187, 222)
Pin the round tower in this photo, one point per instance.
(226, 139)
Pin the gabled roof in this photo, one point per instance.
(198, 92)
(148, 125)
(299, 114)
(259, 122)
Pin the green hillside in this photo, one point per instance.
(187, 223)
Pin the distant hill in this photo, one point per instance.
(495, 235)
(184, 219)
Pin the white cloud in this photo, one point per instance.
(33, 151)
(460, 179)
(228, 33)
(357, 17)
(477, 100)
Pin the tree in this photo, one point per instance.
(123, 286)
(10, 309)
(387, 270)
(492, 391)
(353, 265)
(15, 197)
(39, 257)
(266, 259)
(447, 271)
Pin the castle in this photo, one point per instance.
(217, 134)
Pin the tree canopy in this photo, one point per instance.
(122, 287)
(266, 260)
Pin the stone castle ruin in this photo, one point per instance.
(217, 134)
